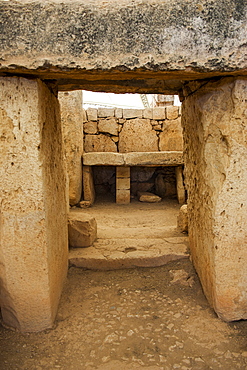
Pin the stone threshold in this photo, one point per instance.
(154, 159)
(113, 254)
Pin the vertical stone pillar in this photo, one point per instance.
(72, 122)
(215, 128)
(33, 211)
(88, 184)
(122, 185)
(180, 184)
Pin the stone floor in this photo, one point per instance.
(143, 318)
(132, 235)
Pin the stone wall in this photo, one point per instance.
(214, 122)
(133, 130)
(33, 211)
(72, 118)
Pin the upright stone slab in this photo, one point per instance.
(72, 121)
(214, 120)
(33, 213)
(88, 184)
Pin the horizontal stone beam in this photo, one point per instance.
(127, 45)
(133, 159)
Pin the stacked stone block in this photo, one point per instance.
(122, 185)
(133, 130)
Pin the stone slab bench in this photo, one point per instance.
(152, 159)
(123, 162)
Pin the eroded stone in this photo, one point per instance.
(82, 230)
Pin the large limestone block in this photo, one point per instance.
(153, 158)
(214, 122)
(72, 121)
(82, 230)
(103, 159)
(33, 198)
(108, 126)
(159, 113)
(106, 112)
(92, 114)
(137, 136)
(88, 184)
(90, 127)
(132, 113)
(173, 41)
(99, 143)
(171, 138)
(172, 112)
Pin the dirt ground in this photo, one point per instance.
(142, 318)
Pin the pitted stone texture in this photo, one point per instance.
(81, 52)
(82, 230)
(214, 122)
(88, 184)
(159, 113)
(92, 114)
(106, 112)
(183, 219)
(72, 121)
(172, 112)
(34, 238)
(103, 159)
(137, 136)
(132, 113)
(99, 143)
(171, 138)
(108, 126)
(90, 127)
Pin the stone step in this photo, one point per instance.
(112, 254)
(141, 232)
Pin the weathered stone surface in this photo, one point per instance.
(171, 138)
(123, 172)
(82, 229)
(88, 184)
(148, 113)
(172, 112)
(132, 113)
(183, 219)
(72, 118)
(34, 238)
(137, 136)
(104, 159)
(180, 184)
(99, 143)
(154, 158)
(106, 112)
(109, 126)
(122, 185)
(111, 254)
(119, 113)
(170, 36)
(122, 196)
(92, 114)
(148, 197)
(90, 127)
(214, 122)
(159, 113)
